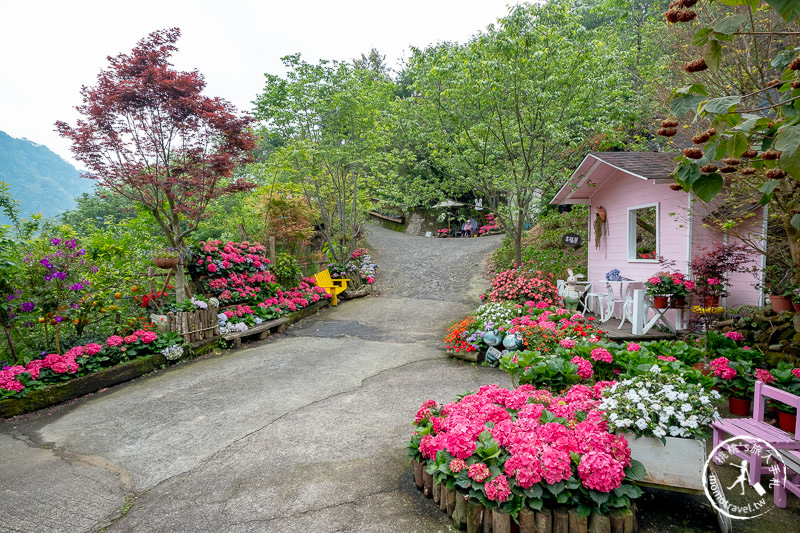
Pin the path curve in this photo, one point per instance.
(302, 432)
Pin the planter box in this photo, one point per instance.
(679, 464)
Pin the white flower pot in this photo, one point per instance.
(678, 464)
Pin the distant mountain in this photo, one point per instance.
(39, 180)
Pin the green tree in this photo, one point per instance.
(519, 104)
(330, 116)
(744, 101)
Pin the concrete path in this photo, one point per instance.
(303, 432)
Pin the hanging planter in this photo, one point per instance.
(166, 262)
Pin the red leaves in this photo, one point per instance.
(149, 134)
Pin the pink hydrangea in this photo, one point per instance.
(478, 472)
(633, 347)
(114, 340)
(734, 336)
(585, 370)
(666, 358)
(764, 375)
(601, 354)
(457, 465)
(498, 489)
(796, 372)
(92, 349)
(566, 343)
(601, 472)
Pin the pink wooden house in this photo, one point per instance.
(644, 219)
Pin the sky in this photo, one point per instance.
(50, 48)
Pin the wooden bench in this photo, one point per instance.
(787, 444)
(262, 330)
(331, 286)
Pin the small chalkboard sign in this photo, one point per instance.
(493, 356)
(573, 240)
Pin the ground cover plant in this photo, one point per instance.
(527, 448)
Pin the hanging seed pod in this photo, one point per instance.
(687, 3)
(796, 84)
(673, 16)
(676, 186)
(727, 169)
(775, 174)
(750, 154)
(667, 132)
(693, 153)
(748, 170)
(795, 64)
(774, 83)
(711, 132)
(695, 66)
(669, 123)
(700, 138)
(732, 161)
(687, 16)
(709, 168)
(770, 155)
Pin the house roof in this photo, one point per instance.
(599, 167)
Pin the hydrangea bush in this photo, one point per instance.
(527, 449)
(522, 284)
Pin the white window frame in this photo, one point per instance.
(631, 225)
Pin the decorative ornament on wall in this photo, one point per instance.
(600, 226)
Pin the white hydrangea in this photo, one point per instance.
(173, 352)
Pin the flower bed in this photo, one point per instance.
(527, 449)
(16, 381)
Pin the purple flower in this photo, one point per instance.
(26, 307)
(75, 306)
(94, 269)
(55, 242)
(48, 277)
(76, 287)
(60, 275)
(46, 264)
(59, 319)
(71, 244)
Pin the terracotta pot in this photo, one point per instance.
(780, 304)
(787, 421)
(796, 307)
(739, 406)
(165, 262)
(660, 302)
(677, 302)
(711, 301)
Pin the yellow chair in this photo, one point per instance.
(331, 286)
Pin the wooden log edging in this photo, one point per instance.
(470, 515)
(91, 383)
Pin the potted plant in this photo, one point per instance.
(676, 412)
(710, 270)
(166, 258)
(779, 287)
(787, 378)
(736, 380)
(664, 285)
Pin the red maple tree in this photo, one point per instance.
(149, 134)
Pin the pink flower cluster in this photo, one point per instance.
(585, 370)
(238, 256)
(305, 294)
(719, 367)
(521, 284)
(60, 364)
(734, 336)
(531, 450)
(764, 375)
(601, 354)
(140, 335)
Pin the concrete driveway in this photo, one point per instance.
(301, 432)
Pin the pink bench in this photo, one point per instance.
(787, 444)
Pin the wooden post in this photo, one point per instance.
(501, 521)
(272, 249)
(427, 484)
(443, 498)
(599, 524)
(437, 493)
(487, 521)
(418, 474)
(634, 520)
(475, 512)
(460, 511)
(150, 273)
(451, 502)
(527, 522)
(560, 521)
(621, 521)
(544, 521)
(242, 231)
(577, 523)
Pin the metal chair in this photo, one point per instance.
(604, 303)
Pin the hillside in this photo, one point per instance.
(40, 180)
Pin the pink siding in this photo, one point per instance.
(619, 193)
(741, 290)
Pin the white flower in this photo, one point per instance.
(674, 431)
(686, 408)
(172, 352)
(641, 423)
(659, 432)
(655, 369)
